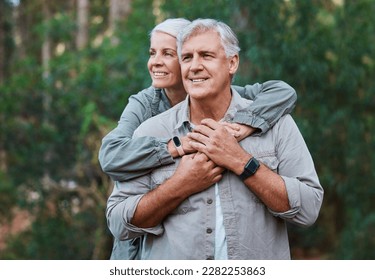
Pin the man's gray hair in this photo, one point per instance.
(171, 26)
(229, 39)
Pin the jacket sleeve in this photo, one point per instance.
(123, 157)
(272, 100)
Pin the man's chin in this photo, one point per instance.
(198, 94)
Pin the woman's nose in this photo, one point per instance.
(156, 59)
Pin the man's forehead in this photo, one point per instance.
(208, 40)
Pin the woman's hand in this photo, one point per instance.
(239, 131)
(185, 144)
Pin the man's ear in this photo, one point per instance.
(233, 64)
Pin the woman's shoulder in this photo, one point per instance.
(145, 94)
(162, 124)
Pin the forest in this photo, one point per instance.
(68, 67)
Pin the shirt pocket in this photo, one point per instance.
(268, 158)
(159, 176)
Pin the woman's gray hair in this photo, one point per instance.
(171, 26)
(229, 39)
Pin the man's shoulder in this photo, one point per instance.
(285, 127)
(282, 128)
(287, 119)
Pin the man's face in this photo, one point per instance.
(206, 71)
(163, 64)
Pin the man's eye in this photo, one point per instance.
(186, 58)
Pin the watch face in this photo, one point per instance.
(252, 166)
(176, 141)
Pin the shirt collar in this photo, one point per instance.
(184, 115)
(237, 103)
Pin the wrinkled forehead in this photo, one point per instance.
(199, 30)
(204, 38)
(193, 31)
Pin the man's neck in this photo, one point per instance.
(214, 108)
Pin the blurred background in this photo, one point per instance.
(68, 67)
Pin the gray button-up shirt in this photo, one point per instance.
(252, 230)
(124, 158)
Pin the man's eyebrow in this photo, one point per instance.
(207, 52)
(199, 52)
(185, 53)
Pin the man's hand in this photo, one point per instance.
(196, 172)
(240, 131)
(214, 140)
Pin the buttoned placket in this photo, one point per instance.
(210, 224)
(182, 128)
(229, 217)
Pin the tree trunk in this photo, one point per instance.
(46, 53)
(2, 78)
(46, 57)
(82, 23)
(2, 40)
(118, 10)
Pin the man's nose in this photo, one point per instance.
(196, 64)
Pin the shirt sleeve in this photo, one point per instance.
(123, 157)
(121, 206)
(271, 101)
(297, 169)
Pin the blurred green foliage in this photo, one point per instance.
(51, 128)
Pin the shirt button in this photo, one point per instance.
(209, 230)
(209, 201)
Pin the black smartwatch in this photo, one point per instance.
(177, 143)
(250, 168)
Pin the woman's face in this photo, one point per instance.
(163, 64)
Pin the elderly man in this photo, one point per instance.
(230, 200)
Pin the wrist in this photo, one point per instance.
(250, 168)
(178, 183)
(172, 149)
(240, 163)
(178, 146)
